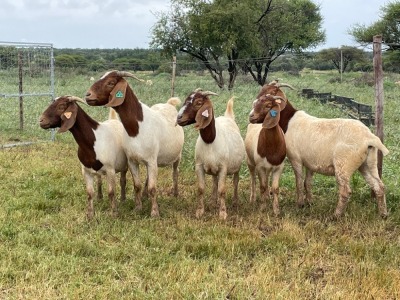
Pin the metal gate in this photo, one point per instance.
(26, 89)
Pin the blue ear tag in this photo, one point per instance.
(273, 113)
(119, 94)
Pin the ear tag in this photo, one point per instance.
(119, 94)
(279, 101)
(68, 114)
(205, 113)
(273, 113)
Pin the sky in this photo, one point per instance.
(128, 23)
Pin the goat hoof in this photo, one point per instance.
(90, 215)
(223, 215)
(155, 213)
(384, 216)
(300, 205)
(277, 213)
(199, 213)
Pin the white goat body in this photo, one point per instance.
(219, 149)
(336, 147)
(226, 152)
(151, 136)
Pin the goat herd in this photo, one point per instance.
(137, 134)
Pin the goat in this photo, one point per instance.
(266, 147)
(219, 149)
(333, 147)
(151, 136)
(99, 145)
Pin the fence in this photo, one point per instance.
(355, 110)
(26, 88)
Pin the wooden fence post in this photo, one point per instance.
(173, 76)
(378, 75)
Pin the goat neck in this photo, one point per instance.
(130, 113)
(286, 114)
(83, 134)
(271, 145)
(209, 132)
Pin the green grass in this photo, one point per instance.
(48, 249)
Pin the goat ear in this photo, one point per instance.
(68, 117)
(204, 116)
(117, 95)
(281, 103)
(272, 118)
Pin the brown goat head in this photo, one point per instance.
(266, 110)
(110, 89)
(274, 88)
(61, 113)
(197, 108)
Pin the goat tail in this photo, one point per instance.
(376, 142)
(112, 115)
(229, 109)
(175, 101)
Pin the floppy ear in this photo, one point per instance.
(117, 95)
(68, 117)
(204, 116)
(272, 118)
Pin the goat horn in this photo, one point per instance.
(198, 90)
(128, 74)
(285, 85)
(279, 97)
(74, 98)
(208, 93)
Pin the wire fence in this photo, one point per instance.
(26, 87)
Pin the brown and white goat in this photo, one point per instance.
(266, 147)
(151, 136)
(219, 148)
(99, 145)
(333, 147)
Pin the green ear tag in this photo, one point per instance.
(119, 94)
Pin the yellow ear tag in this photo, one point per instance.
(68, 114)
(278, 101)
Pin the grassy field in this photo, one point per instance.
(48, 249)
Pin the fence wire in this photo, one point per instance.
(26, 88)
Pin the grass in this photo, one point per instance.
(48, 249)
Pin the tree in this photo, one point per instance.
(223, 34)
(388, 27)
(281, 27)
(345, 54)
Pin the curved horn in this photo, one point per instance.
(208, 93)
(279, 97)
(74, 98)
(285, 85)
(128, 74)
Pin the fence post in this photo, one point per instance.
(378, 75)
(20, 89)
(173, 76)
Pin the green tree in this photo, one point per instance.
(388, 26)
(224, 34)
(283, 26)
(346, 55)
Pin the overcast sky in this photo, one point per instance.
(128, 23)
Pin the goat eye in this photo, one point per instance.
(61, 107)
